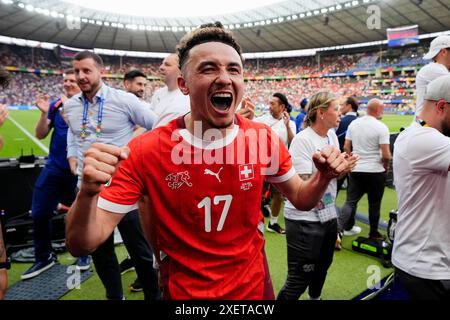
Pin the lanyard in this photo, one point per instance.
(98, 128)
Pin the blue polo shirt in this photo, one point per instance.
(299, 120)
(57, 157)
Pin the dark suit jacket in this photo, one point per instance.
(342, 129)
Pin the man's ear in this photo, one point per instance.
(182, 85)
(440, 105)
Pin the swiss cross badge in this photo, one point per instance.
(246, 172)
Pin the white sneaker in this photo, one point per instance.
(353, 231)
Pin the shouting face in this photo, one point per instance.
(213, 78)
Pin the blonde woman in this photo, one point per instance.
(311, 235)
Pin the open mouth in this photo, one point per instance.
(222, 101)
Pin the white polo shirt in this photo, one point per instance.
(425, 75)
(366, 134)
(278, 126)
(169, 105)
(422, 235)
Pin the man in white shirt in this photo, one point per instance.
(439, 52)
(169, 102)
(421, 253)
(279, 121)
(367, 137)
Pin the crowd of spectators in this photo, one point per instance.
(25, 86)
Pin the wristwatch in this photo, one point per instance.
(5, 265)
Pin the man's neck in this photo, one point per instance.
(441, 62)
(429, 120)
(172, 85)
(90, 95)
(279, 117)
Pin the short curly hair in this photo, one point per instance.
(210, 32)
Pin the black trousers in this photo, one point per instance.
(423, 289)
(340, 183)
(107, 265)
(310, 249)
(360, 183)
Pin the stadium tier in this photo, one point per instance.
(363, 75)
(249, 155)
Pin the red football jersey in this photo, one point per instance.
(205, 202)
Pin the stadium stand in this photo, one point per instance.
(343, 73)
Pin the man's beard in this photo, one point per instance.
(93, 88)
(139, 94)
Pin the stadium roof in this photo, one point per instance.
(286, 25)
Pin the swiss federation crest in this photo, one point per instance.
(176, 180)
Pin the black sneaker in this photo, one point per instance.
(136, 286)
(275, 228)
(126, 265)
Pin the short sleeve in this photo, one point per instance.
(126, 186)
(430, 151)
(293, 127)
(384, 135)
(348, 135)
(301, 153)
(280, 167)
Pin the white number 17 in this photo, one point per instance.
(206, 202)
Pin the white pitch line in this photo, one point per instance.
(35, 140)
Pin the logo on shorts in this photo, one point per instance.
(308, 267)
(176, 180)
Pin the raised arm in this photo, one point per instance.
(43, 125)
(87, 226)
(305, 195)
(248, 109)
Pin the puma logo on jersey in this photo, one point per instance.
(176, 180)
(207, 171)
